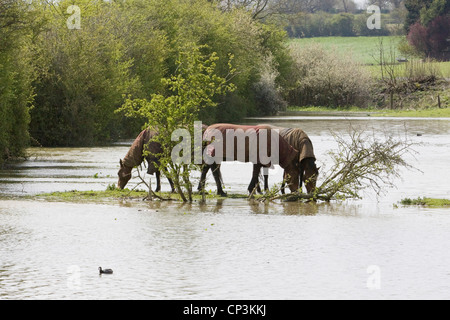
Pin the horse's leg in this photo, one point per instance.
(172, 186)
(255, 177)
(218, 178)
(266, 178)
(158, 181)
(258, 186)
(283, 184)
(201, 184)
(300, 185)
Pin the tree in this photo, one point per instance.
(18, 24)
(428, 25)
(414, 7)
(431, 41)
(256, 7)
(84, 73)
(138, 42)
(436, 9)
(192, 88)
(363, 160)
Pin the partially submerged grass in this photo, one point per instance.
(426, 202)
(109, 195)
(419, 113)
(92, 196)
(423, 113)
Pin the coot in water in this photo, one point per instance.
(106, 271)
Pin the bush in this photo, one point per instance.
(126, 48)
(84, 74)
(16, 75)
(342, 25)
(318, 79)
(324, 24)
(431, 41)
(267, 96)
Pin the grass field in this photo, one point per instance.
(422, 113)
(365, 50)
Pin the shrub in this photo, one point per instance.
(267, 97)
(189, 90)
(431, 41)
(84, 74)
(16, 75)
(318, 78)
(342, 25)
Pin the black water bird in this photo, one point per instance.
(106, 271)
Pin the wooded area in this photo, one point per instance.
(66, 66)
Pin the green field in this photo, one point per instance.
(365, 50)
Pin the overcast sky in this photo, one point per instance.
(360, 3)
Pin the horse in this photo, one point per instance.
(135, 157)
(299, 140)
(249, 150)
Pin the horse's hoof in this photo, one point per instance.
(158, 190)
(222, 194)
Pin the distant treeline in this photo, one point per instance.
(324, 24)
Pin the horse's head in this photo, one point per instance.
(291, 174)
(153, 165)
(124, 175)
(308, 173)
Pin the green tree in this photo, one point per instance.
(414, 7)
(342, 25)
(83, 75)
(191, 89)
(17, 23)
(436, 8)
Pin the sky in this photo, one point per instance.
(360, 3)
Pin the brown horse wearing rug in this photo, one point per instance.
(299, 140)
(135, 156)
(260, 145)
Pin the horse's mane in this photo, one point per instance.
(134, 156)
(298, 139)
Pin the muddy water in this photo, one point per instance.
(229, 248)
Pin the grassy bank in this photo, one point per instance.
(421, 113)
(112, 196)
(426, 202)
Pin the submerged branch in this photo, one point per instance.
(151, 193)
(360, 162)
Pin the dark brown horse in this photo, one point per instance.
(248, 143)
(299, 140)
(135, 156)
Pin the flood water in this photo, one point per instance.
(232, 248)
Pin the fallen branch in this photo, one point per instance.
(151, 193)
(361, 161)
